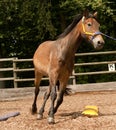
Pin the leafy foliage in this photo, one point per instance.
(26, 23)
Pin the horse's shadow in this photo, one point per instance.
(73, 115)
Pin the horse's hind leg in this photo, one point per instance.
(38, 77)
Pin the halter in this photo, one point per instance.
(94, 34)
(89, 33)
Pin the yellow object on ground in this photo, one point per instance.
(92, 107)
(90, 111)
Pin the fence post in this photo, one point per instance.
(14, 72)
(74, 78)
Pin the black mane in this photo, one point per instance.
(73, 24)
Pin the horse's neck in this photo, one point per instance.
(74, 39)
(70, 43)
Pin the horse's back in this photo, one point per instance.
(44, 49)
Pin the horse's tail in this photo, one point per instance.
(68, 91)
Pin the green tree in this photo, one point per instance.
(24, 24)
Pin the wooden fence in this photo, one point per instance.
(15, 70)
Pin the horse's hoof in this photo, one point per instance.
(39, 117)
(34, 110)
(51, 120)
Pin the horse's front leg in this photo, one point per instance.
(59, 100)
(41, 111)
(62, 89)
(51, 111)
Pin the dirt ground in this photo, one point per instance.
(68, 116)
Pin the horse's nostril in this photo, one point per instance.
(99, 43)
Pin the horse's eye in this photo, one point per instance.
(89, 24)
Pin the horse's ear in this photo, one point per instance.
(95, 14)
(83, 19)
(86, 13)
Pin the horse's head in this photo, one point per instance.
(90, 30)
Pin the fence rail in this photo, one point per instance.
(15, 70)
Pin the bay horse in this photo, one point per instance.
(55, 59)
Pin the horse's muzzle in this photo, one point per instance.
(98, 42)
